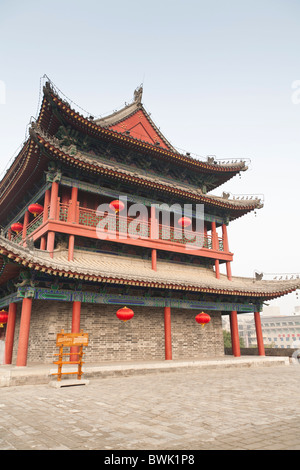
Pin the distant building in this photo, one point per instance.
(279, 331)
(282, 331)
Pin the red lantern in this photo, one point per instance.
(3, 318)
(35, 209)
(117, 205)
(202, 318)
(125, 314)
(184, 221)
(17, 227)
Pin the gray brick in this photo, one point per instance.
(141, 338)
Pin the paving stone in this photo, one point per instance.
(240, 408)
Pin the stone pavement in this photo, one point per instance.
(224, 408)
(11, 375)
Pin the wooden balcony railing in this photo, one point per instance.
(125, 227)
(34, 224)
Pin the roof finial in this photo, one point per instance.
(138, 92)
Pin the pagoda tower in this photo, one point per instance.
(91, 221)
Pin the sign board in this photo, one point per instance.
(72, 339)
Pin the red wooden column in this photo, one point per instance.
(168, 336)
(153, 235)
(75, 327)
(71, 248)
(72, 219)
(235, 340)
(53, 200)
(10, 333)
(24, 332)
(73, 205)
(228, 270)
(52, 215)
(154, 260)
(50, 243)
(65, 195)
(25, 223)
(226, 249)
(215, 246)
(205, 235)
(259, 335)
(45, 217)
(46, 204)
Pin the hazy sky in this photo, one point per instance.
(217, 78)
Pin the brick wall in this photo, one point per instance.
(141, 338)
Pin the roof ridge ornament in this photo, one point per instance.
(138, 93)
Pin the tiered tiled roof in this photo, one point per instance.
(137, 175)
(31, 164)
(106, 130)
(90, 266)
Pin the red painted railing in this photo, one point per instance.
(126, 227)
(135, 228)
(31, 227)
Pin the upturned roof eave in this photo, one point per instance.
(41, 262)
(85, 162)
(26, 169)
(91, 127)
(28, 156)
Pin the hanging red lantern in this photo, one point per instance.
(184, 221)
(3, 318)
(35, 209)
(202, 318)
(17, 227)
(125, 314)
(117, 205)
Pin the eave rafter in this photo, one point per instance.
(225, 171)
(31, 259)
(29, 165)
(82, 162)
